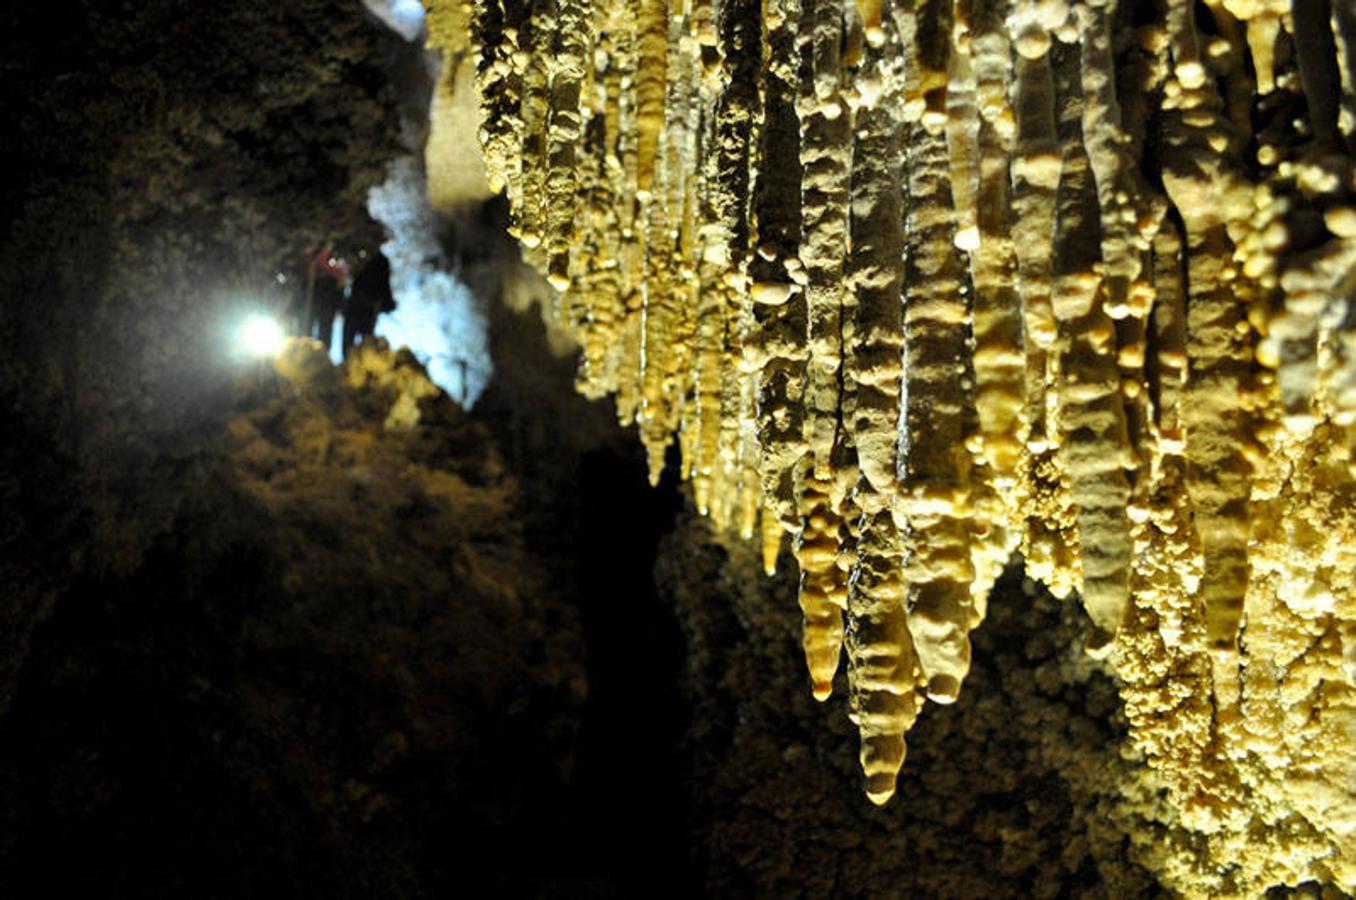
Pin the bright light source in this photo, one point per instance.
(259, 336)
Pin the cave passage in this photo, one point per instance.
(1020, 333)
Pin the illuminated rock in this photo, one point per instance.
(923, 283)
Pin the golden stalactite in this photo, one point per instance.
(918, 284)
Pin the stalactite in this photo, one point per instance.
(531, 162)
(1000, 341)
(494, 27)
(1201, 182)
(823, 587)
(880, 651)
(933, 465)
(779, 306)
(564, 130)
(920, 283)
(1091, 416)
(825, 157)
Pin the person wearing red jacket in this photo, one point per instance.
(327, 282)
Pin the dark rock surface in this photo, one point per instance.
(261, 638)
(160, 165)
(340, 674)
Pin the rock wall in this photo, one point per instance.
(343, 674)
(924, 284)
(161, 167)
(1023, 788)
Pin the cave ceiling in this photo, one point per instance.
(921, 287)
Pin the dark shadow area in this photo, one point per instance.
(631, 782)
(589, 512)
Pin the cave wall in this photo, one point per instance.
(924, 287)
(257, 634)
(160, 166)
(1023, 788)
(344, 673)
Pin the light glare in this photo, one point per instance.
(259, 336)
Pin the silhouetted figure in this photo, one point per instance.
(369, 298)
(326, 286)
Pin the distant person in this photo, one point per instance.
(327, 283)
(369, 298)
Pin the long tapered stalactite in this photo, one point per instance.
(917, 284)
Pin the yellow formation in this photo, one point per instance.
(923, 283)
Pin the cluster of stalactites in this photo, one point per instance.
(901, 285)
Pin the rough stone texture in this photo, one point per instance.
(274, 639)
(159, 167)
(1138, 374)
(1014, 791)
(342, 673)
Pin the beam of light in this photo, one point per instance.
(259, 336)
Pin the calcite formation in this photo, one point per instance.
(926, 283)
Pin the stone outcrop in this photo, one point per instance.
(928, 283)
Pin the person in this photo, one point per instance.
(327, 282)
(370, 297)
